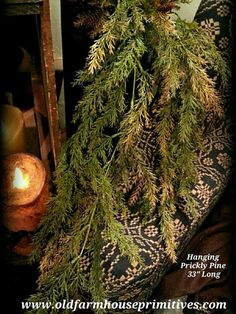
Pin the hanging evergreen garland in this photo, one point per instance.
(145, 72)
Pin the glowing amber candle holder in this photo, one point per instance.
(24, 192)
(24, 247)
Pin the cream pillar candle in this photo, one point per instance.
(12, 130)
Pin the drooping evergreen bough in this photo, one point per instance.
(145, 67)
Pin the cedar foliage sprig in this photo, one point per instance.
(143, 64)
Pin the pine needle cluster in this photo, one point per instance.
(143, 69)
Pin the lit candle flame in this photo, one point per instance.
(20, 180)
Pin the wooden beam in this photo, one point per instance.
(20, 7)
(49, 79)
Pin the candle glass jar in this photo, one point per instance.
(24, 192)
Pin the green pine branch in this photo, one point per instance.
(139, 53)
